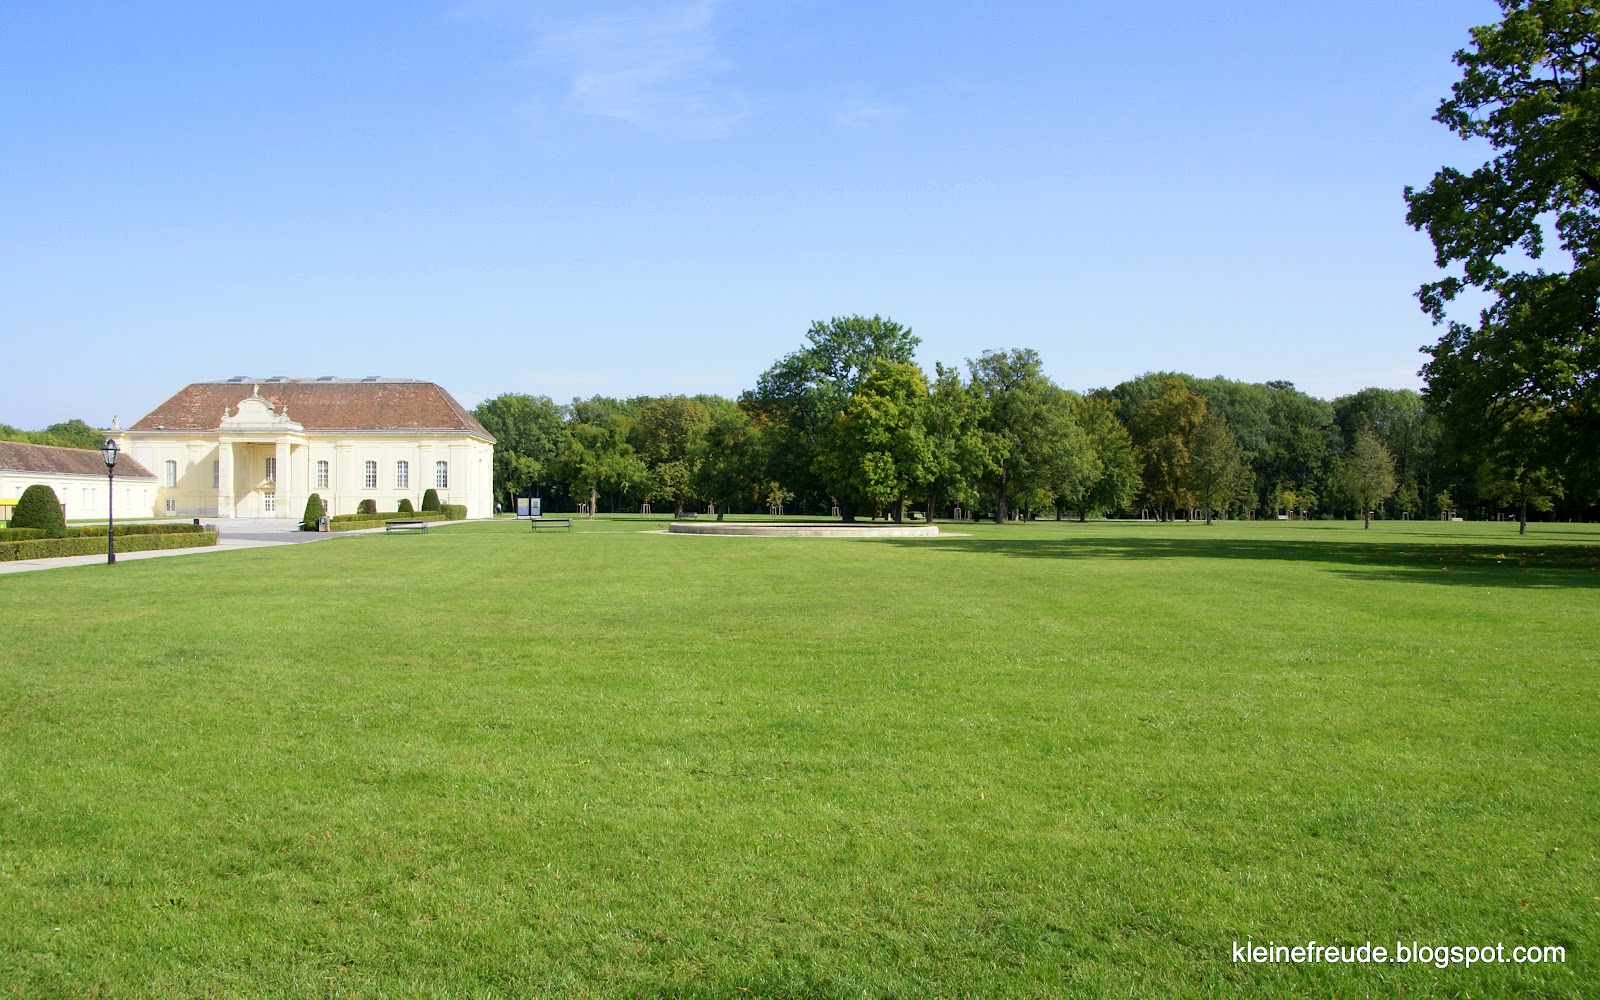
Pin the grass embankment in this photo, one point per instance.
(1042, 760)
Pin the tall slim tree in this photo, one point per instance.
(1366, 474)
(1217, 472)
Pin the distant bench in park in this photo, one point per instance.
(405, 525)
(536, 523)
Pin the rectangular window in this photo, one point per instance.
(171, 473)
(272, 470)
(216, 473)
(441, 475)
(371, 478)
(322, 475)
(172, 506)
(402, 475)
(269, 502)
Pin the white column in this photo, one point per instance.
(285, 478)
(225, 477)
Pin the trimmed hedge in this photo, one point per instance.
(405, 506)
(367, 506)
(20, 534)
(314, 512)
(39, 507)
(454, 511)
(430, 499)
(51, 548)
(93, 531)
(387, 515)
(361, 522)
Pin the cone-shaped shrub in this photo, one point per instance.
(430, 499)
(314, 512)
(367, 507)
(405, 506)
(39, 508)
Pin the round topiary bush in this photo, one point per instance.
(405, 506)
(314, 512)
(430, 499)
(367, 507)
(38, 507)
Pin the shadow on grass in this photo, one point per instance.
(1453, 564)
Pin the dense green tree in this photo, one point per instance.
(39, 507)
(798, 399)
(1014, 416)
(1057, 463)
(528, 431)
(958, 448)
(879, 452)
(1116, 485)
(1517, 465)
(1164, 429)
(1530, 92)
(1366, 474)
(1218, 475)
(597, 456)
(1400, 420)
(67, 434)
(730, 462)
(666, 434)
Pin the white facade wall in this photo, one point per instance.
(225, 475)
(85, 496)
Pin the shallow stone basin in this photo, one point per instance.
(870, 529)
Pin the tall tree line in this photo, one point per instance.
(849, 422)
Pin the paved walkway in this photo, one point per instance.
(233, 533)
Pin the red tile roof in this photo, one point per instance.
(44, 459)
(327, 404)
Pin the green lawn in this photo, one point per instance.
(1039, 760)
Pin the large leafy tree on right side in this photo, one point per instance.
(1530, 88)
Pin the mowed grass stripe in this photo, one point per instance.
(1039, 760)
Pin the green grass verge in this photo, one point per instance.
(1039, 760)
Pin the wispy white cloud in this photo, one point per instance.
(653, 65)
(861, 116)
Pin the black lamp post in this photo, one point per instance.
(108, 451)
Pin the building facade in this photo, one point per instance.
(78, 477)
(244, 447)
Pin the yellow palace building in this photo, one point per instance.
(247, 447)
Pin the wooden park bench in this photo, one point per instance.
(535, 523)
(405, 525)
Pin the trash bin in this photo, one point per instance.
(322, 523)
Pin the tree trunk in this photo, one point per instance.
(678, 514)
(933, 502)
(594, 500)
(1000, 502)
(1366, 516)
(1208, 513)
(847, 511)
(1522, 526)
(900, 510)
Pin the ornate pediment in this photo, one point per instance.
(256, 414)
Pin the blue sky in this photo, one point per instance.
(570, 198)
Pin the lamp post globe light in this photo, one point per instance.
(108, 451)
